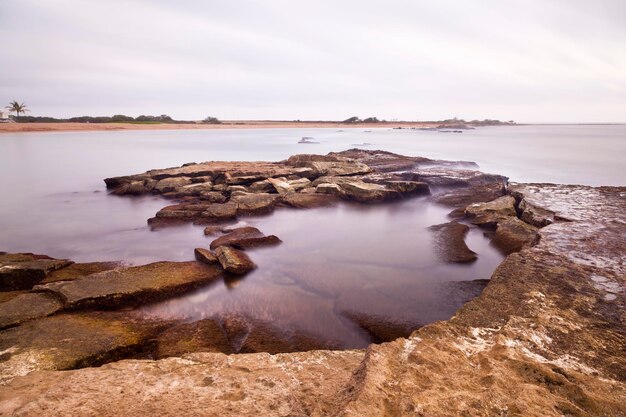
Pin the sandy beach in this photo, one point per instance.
(239, 124)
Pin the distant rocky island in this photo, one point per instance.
(546, 335)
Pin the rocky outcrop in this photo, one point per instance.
(450, 242)
(245, 238)
(205, 256)
(130, 285)
(493, 212)
(233, 260)
(26, 307)
(513, 235)
(21, 271)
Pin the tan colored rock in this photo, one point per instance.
(171, 184)
(26, 307)
(77, 270)
(512, 235)
(200, 336)
(205, 256)
(254, 203)
(310, 200)
(233, 260)
(367, 193)
(450, 242)
(245, 238)
(21, 271)
(492, 212)
(137, 284)
(218, 212)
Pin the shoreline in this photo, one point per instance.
(71, 127)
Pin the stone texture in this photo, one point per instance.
(492, 212)
(245, 238)
(21, 271)
(512, 235)
(77, 270)
(450, 242)
(200, 336)
(254, 203)
(26, 307)
(234, 260)
(219, 212)
(205, 256)
(137, 284)
(309, 200)
(68, 341)
(545, 338)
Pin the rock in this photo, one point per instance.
(205, 256)
(307, 200)
(245, 238)
(171, 184)
(464, 196)
(512, 235)
(234, 188)
(249, 335)
(194, 189)
(302, 160)
(220, 385)
(77, 270)
(264, 186)
(254, 203)
(381, 329)
(367, 193)
(409, 187)
(234, 260)
(70, 341)
(339, 168)
(200, 336)
(212, 230)
(183, 211)
(450, 241)
(299, 184)
(535, 216)
(219, 212)
(281, 185)
(326, 188)
(26, 307)
(133, 285)
(21, 271)
(492, 212)
(133, 188)
(212, 197)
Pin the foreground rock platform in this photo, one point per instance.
(546, 337)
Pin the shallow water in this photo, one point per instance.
(375, 260)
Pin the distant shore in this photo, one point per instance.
(240, 124)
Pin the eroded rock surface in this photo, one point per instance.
(21, 271)
(450, 242)
(545, 338)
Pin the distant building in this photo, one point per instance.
(4, 115)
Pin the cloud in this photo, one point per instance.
(534, 61)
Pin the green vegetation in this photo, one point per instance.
(212, 120)
(118, 118)
(355, 119)
(17, 108)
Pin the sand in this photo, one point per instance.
(244, 124)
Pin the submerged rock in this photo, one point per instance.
(201, 336)
(309, 200)
(233, 260)
(450, 241)
(381, 329)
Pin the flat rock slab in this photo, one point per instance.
(69, 341)
(137, 284)
(78, 270)
(513, 234)
(491, 212)
(245, 238)
(309, 200)
(201, 336)
(21, 271)
(205, 256)
(234, 261)
(26, 307)
(450, 241)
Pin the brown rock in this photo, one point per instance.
(367, 193)
(137, 284)
(381, 329)
(450, 241)
(234, 260)
(409, 187)
(69, 341)
(21, 271)
(200, 336)
(77, 270)
(245, 238)
(205, 256)
(218, 212)
(167, 185)
(492, 212)
(512, 235)
(26, 307)
(308, 200)
(254, 203)
(212, 230)
(464, 196)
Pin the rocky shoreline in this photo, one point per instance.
(546, 336)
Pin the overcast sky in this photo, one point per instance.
(527, 60)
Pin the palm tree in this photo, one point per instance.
(17, 107)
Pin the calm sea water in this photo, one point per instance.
(375, 260)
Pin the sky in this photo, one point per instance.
(530, 61)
